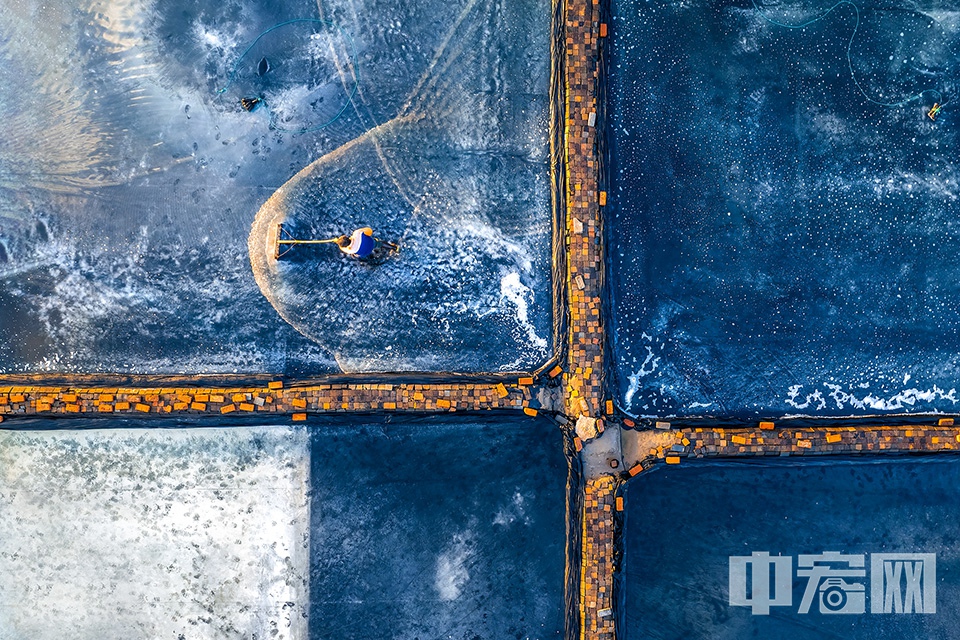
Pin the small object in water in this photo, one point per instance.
(250, 103)
(935, 111)
(263, 67)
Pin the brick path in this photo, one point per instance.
(596, 565)
(701, 442)
(272, 398)
(583, 380)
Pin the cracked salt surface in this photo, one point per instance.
(197, 533)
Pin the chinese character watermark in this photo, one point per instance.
(836, 582)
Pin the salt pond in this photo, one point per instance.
(778, 242)
(129, 183)
(358, 528)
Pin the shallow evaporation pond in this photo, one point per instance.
(133, 187)
(724, 551)
(776, 237)
(351, 528)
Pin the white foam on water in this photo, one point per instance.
(520, 295)
(452, 571)
(154, 533)
(906, 398)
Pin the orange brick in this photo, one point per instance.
(619, 503)
(525, 381)
(443, 404)
(198, 406)
(635, 470)
(530, 411)
(418, 396)
(603, 29)
(608, 405)
(142, 408)
(180, 406)
(228, 408)
(105, 408)
(557, 370)
(246, 406)
(217, 399)
(122, 406)
(603, 198)
(16, 397)
(945, 422)
(501, 390)
(75, 408)
(238, 397)
(299, 417)
(389, 405)
(834, 437)
(299, 403)
(202, 397)
(43, 406)
(673, 459)
(577, 443)
(106, 397)
(276, 384)
(69, 397)
(766, 425)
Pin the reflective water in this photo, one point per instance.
(129, 184)
(779, 243)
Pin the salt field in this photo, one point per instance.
(777, 238)
(652, 334)
(689, 532)
(159, 533)
(131, 178)
(351, 529)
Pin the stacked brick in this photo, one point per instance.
(583, 379)
(596, 566)
(273, 398)
(706, 442)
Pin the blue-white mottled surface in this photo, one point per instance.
(780, 244)
(128, 185)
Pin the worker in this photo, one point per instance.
(935, 111)
(360, 244)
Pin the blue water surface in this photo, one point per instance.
(684, 524)
(779, 242)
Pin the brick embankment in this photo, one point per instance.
(39, 400)
(596, 572)
(671, 447)
(583, 377)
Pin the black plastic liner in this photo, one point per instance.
(575, 489)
